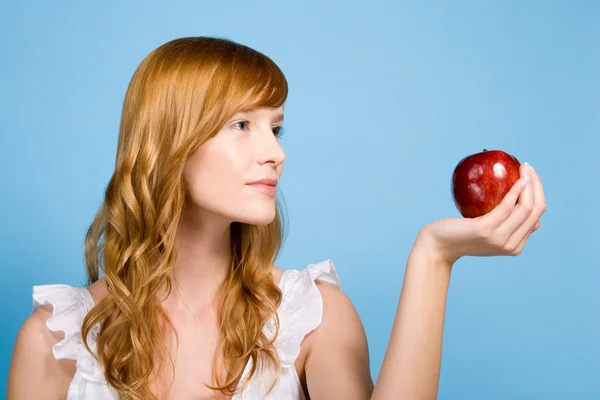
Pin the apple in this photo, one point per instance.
(481, 180)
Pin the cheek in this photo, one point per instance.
(213, 172)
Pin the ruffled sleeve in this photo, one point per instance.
(301, 310)
(70, 306)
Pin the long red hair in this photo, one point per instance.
(181, 95)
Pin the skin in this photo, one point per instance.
(330, 365)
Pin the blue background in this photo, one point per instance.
(385, 99)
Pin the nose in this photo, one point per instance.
(271, 151)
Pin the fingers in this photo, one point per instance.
(502, 211)
(519, 248)
(540, 197)
(523, 208)
(532, 222)
(506, 229)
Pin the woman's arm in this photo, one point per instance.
(335, 367)
(411, 367)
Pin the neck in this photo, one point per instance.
(203, 259)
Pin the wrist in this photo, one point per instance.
(429, 250)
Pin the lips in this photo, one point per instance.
(267, 186)
(268, 182)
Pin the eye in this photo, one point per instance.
(241, 125)
(278, 131)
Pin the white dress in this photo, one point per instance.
(300, 312)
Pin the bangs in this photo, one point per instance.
(256, 81)
(222, 78)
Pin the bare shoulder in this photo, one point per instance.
(277, 273)
(338, 355)
(34, 371)
(338, 312)
(98, 290)
(34, 334)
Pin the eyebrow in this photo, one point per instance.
(277, 118)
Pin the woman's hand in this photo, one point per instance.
(411, 367)
(502, 231)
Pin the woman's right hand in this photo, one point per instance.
(503, 231)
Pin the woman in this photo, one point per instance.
(190, 305)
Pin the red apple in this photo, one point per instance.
(480, 181)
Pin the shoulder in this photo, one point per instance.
(337, 306)
(337, 350)
(341, 330)
(35, 371)
(277, 274)
(313, 305)
(98, 290)
(338, 313)
(34, 338)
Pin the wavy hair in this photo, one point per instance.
(180, 96)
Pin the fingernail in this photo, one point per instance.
(527, 170)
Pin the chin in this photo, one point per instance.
(257, 219)
(257, 216)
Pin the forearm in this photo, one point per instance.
(411, 365)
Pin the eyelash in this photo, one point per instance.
(278, 133)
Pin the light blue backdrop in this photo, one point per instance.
(385, 98)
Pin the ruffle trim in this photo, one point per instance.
(301, 311)
(70, 306)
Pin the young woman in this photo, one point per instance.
(190, 305)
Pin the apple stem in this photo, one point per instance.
(484, 150)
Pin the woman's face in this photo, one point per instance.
(234, 174)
